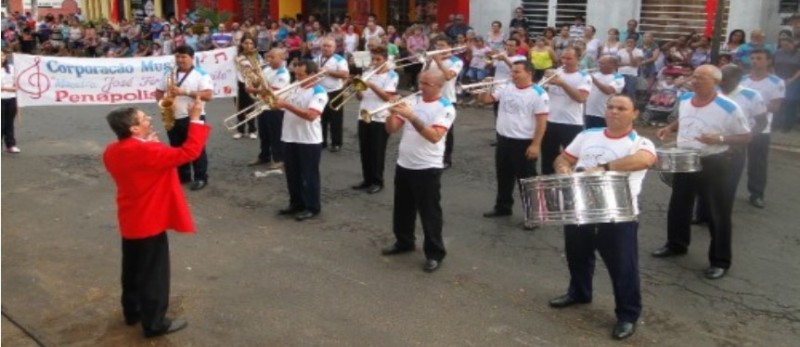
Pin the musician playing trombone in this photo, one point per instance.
(417, 182)
(521, 122)
(270, 121)
(337, 70)
(302, 138)
(372, 134)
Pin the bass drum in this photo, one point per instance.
(579, 198)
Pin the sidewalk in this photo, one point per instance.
(789, 142)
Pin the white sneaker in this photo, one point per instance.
(253, 136)
(237, 136)
(13, 149)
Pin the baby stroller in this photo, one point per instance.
(660, 108)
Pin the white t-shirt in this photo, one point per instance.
(519, 107)
(593, 147)
(367, 34)
(386, 82)
(452, 64)
(197, 80)
(502, 71)
(750, 101)
(626, 58)
(350, 42)
(720, 117)
(300, 130)
(563, 109)
(8, 81)
(597, 100)
(478, 55)
(332, 63)
(277, 78)
(593, 48)
(770, 88)
(417, 153)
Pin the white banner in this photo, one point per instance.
(44, 80)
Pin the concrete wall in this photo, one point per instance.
(607, 14)
(483, 12)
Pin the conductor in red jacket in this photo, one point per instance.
(150, 200)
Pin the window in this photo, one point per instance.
(668, 19)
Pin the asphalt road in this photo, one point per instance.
(251, 278)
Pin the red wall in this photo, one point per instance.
(448, 7)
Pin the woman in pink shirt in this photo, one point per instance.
(416, 43)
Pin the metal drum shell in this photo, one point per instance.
(580, 198)
(678, 160)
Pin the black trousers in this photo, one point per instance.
(418, 191)
(757, 154)
(177, 136)
(594, 122)
(738, 159)
(244, 100)
(511, 165)
(618, 246)
(9, 113)
(712, 186)
(145, 281)
(301, 165)
(449, 143)
(413, 74)
(334, 120)
(556, 137)
(372, 138)
(270, 125)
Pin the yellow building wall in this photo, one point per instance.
(289, 8)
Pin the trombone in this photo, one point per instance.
(559, 71)
(356, 84)
(480, 87)
(366, 115)
(490, 58)
(266, 100)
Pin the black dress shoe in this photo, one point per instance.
(496, 213)
(623, 330)
(335, 149)
(714, 272)
(199, 184)
(665, 252)
(289, 211)
(360, 186)
(133, 320)
(169, 328)
(395, 249)
(374, 189)
(565, 301)
(304, 215)
(431, 265)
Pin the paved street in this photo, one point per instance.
(251, 278)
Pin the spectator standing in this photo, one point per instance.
(651, 52)
(631, 31)
(519, 20)
(757, 42)
(787, 67)
(735, 39)
(563, 40)
(458, 27)
(612, 45)
(371, 30)
(576, 29)
(701, 54)
(629, 59)
(495, 39)
(542, 57)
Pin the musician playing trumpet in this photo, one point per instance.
(302, 138)
(337, 70)
(270, 121)
(372, 134)
(615, 148)
(521, 123)
(190, 81)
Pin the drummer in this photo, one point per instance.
(709, 123)
(615, 148)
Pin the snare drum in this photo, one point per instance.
(580, 198)
(678, 160)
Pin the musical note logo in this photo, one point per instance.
(36, 83)
(220, 54)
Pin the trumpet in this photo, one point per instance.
(429, 54)
(480, 87)
(356, 84)
(366, 115)
(265, 101)
(559, 71)
(490, 58)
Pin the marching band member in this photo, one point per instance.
(605, 83)
(709, 123)
(568, 91)
(450, 66)
(772, 89)
(504, 62)
(372, 135)
(150, 201)
(191, 81)
(248, 57)
(521, 122)
(417, 182)
(302, 139)
(270, 121)
(337, 71)
(9, 109)
(615, 148)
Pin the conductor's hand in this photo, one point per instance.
(196, 108)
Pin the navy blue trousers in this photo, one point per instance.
(757, 154)
(617, 244)
(270, 127)
(301, 165)
(372, 138)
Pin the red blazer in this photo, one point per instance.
(150, 199)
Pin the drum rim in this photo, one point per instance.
(576, 175)
(677, 150)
